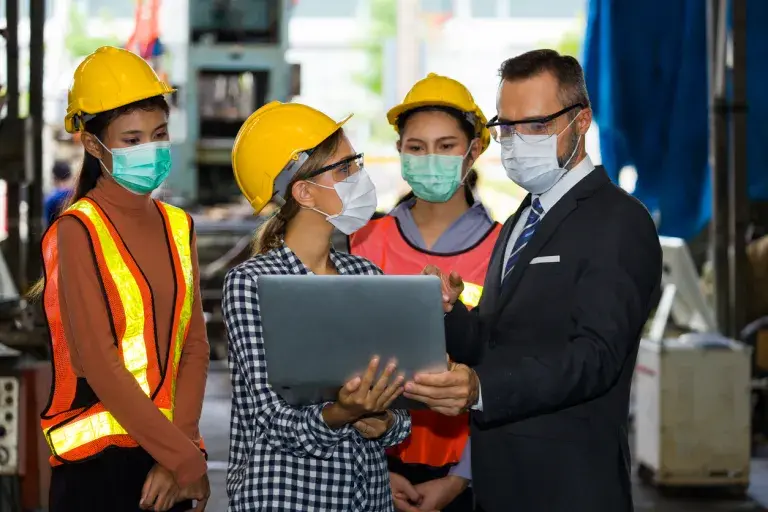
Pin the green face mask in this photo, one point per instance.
(433, 178)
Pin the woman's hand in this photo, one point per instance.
(199, 490)
(404, 494)
(373, 427)
(358, 398)
(160, 491)
(439, 493)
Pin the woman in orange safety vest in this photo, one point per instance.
(326, 457)
(442, 133)
(122, 301)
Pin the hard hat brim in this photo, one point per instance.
(399, 110)
(339, 124)
(395, 112)
(75, 110)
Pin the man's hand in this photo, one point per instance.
(450, 393)
(160, 491)
(452, 286)
(405, 495)
(199, 491)
(375, 426)
(439, 493)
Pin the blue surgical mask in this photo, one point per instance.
(433, 178)
(143, 168)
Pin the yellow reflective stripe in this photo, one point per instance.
(471, 294)
(133, 344)
(78, 433)
(179, 223)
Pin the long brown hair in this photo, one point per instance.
(270, 235)
(90, 172)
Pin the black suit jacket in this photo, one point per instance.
(554, 348)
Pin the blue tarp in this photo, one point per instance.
(646, 69)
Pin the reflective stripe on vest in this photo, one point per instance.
(74, 434)
(435, 440)
(471, 294)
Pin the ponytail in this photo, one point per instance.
(270, 235)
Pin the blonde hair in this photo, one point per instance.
(270, 235)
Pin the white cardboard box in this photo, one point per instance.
(692, 413)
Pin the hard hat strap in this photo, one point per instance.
(286, 175)
(79, 120)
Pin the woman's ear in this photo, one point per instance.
(474, 152)
(302, 193)
(92, 145)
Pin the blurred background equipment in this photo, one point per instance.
(235, 64)
(692, 425)
(692, 388)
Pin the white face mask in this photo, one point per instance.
(358, 202)
(531, 160)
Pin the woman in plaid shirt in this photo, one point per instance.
(327, 457)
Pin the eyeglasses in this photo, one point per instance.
(503, 130)
(342, 169)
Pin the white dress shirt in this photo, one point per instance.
(548, 199)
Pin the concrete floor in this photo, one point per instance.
(215, 428)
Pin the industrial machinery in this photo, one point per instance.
(235, 64)
(692, 388)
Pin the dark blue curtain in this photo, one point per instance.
(646, 68)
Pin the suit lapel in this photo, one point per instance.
(544, 231)
(548, 226)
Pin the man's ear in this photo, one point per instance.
(584, 121)
(91, 145)
(303, 194)
(399, 146)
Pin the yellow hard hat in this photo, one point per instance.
(273, 137)
(110, 78)
(440, 91)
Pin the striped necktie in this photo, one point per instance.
(525, 235)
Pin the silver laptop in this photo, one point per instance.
(320, 331)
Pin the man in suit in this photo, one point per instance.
(548, 354)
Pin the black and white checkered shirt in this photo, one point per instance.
(284, 458)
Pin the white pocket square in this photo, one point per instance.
(545, 259)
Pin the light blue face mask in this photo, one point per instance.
(433, 178)
(143, 168)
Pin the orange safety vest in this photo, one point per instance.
(435, 440)
(75, 430)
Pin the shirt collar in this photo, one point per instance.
(566, 183)
(404, 210)
(296, 266)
